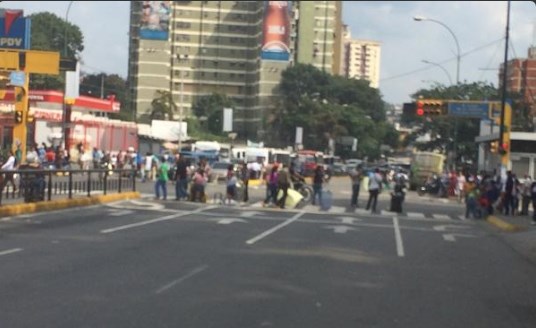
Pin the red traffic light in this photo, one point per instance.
(420, 108)
(505, 146)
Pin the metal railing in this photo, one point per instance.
(32, 185)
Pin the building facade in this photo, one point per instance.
(521, 78)
(362, 60)
(196, 48)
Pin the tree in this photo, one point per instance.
(103, 85)
(163, 106)
(209, 109)
(328, 107)
(52, 33)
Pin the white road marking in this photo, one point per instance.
(340, 228)
(462, 217)
(349, 220)
(337, 209)
(182, 279)
(10, 251)
(441, 217)
(164, 218)
(415, 215)
(274, 229)
(398, 237)
(8, 218)
(230, 220)
(120, 213)
(452, 236)
(447, 226)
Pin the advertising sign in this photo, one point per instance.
(155, 20)
(276, 30)
(14, 30)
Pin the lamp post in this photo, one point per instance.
(441, 67)
(458, 53)
(458, 57)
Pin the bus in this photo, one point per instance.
(423, 165)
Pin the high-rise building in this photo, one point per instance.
(521, 78)
(236, 48)
(362, 60)
(215, 49)
(318, 29)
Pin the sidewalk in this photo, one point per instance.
(518, 233)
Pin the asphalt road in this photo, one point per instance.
(146, 263)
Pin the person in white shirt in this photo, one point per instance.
(9, 165)
(375, 183)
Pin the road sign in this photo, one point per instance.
(17, 78)
(469, 109)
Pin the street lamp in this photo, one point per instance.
(458, 54)
(440, 66)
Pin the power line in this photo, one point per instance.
(442, 62)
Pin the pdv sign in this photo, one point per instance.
(14, 30)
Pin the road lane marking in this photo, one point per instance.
(10, 251)
(441, 217)
(163, 218)
(398, 237)
(415, 215)
(274, 229)
(182, 279)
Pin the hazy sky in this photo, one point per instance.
(479, 27)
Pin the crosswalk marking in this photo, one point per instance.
(441, 216)
(415, 215)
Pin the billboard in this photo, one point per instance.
(14, 30)
(276, 31)
(155, 20)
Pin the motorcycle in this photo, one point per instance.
(305, 190)
(433, 187)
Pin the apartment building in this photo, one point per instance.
(361, 59)
(521, 78)
(195, 48)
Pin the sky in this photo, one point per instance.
(478, 26)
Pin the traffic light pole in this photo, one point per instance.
(502, 142)
(20, 131)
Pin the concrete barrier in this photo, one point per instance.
(504, 225)
(17, 209)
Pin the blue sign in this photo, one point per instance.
(14, 30)
(17, 79)
(469, 109)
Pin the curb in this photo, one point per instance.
(503, 225)
(17, 209)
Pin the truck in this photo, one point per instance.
(423, 165)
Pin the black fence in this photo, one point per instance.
(30, 185)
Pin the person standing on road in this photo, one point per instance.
(526, 195)
(283, 183)
(181, 179)
(318, 179)
(271, 181)
(355, 176)
(162, 179)
(533, 196)
(375, 183)
(9, 165)
(244, 176)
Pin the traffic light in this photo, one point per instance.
(494, 147)
(419, 108)
(18, 116)
(433, 107)
(504, 148)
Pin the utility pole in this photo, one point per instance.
(502, 141)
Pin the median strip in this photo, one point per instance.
(17, 209)
(503, 225)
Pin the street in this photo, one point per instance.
(146, 263)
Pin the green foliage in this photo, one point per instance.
(52, 33)
(104, 85)
(209, 111)
(327, 106)
(163, 106)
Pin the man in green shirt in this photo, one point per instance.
(162, 179)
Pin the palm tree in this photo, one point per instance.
(163, 105)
